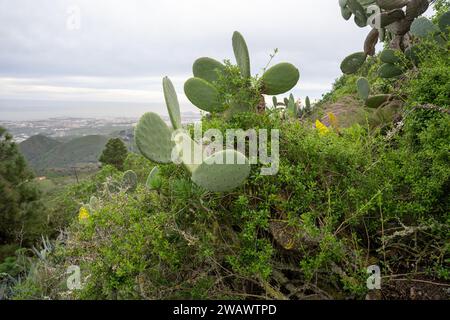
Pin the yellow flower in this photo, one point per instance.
(323, 129)
(333, 120)
(83, 214)
(290, 244)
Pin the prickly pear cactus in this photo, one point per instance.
(353, 62)
(444, 22)
(154, 180)
(222, 177)
(241, 53)
(173, 107)
(394, 20)
(207, 69)
(363, 88)
(156, 142)
(280, 79)
(422, 27)
(377, 101)
(203, 95)
(201, 90)
(94, 203)
(129, 180)
(389, 70)
(154, 138)
(113, 186)
(389, 56)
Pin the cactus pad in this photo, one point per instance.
(207, 69)
(388, 70)
(280, 79)
(346, 13)
(422, 27)
(153, 180)
(353, 62)
(241, 53)
(94, 203)
(154, 138)
(203, 95)
(129, 180)
(363, 88)
(376, 101)
(222, 177)
(389, 56)
(444, 22)
(307, 103)
(173, 107)
(359, 12)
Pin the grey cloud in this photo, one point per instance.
(142, 41)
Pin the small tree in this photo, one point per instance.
(20, 206)
(115, 153)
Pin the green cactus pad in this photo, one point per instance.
(173, 107)
(275, 101)
(207, 69)
(353, 62)
(222, 177)
(307, 103)
(346, 13)
(342, 3)
(359, 12)
(94, 203)
(376, 101)
(292, 107)
(203, 95)
(241, 53)
(113, 186)
(389, 56)
(154, 138)
(129, 180)
(391, 4)
(444, 22)
(153, 180)
(422, 27)
(280, 79)
(388, 70)
(363, 87)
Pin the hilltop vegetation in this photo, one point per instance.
(35, 147)
(363, 181)
(44, 154)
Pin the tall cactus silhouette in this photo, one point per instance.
(202, 91)
(162, 144)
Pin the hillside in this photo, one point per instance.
(34, 148)
(77, 152)
(346, 200)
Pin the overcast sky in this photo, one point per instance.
(122, 49)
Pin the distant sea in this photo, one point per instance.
(26, 110)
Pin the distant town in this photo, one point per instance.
(69, 127)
